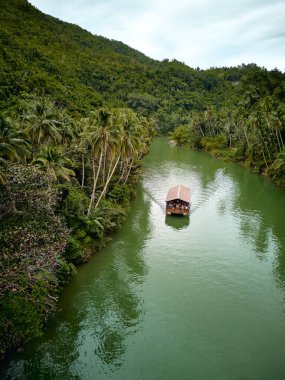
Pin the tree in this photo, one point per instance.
(12, 146)
(277, 169)
(132, 140)
(112, 146)
(40, 122)
(52, 160)
(99, 135)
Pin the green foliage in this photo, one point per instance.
(52, 160)
(32, 238)
(73, 202)
(91, 233)
(277, 168)
(214, 144)
(65, 270)
(21, 318)
(251, 132)
(70, 146)
(12, 146)
(181, 135)
(44, 56)
(121, 194)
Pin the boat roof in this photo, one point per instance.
(178, 192)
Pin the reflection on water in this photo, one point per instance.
(177, 222)
(98, 310)
(171, 293)
(260, 208)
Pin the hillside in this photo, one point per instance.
(79, 71)
(77, 114)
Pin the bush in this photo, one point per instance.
(214, 144)
(32, 238)
(181, 135)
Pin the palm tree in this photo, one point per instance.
(241, 123)
(278, 121)
(52, 160)
(255, 120)
(40, 122)
(112, 150)
(12, 146)
(210, 118)
(67, 128)
(226, 123)
(97, 134)
(132, 138)
(274, 117)
(3, 164)
(277, 168)
(113, 136)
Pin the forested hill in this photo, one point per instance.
(43, 55)
(77, 114)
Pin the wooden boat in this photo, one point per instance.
(178, 200)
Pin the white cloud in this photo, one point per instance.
(200, 33)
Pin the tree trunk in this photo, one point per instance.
(107, 182)
(264, 158)
(95, 179)
(129, 171)
(246, 137)
(122, 170)
(278, 141)
(230, 138)
(201, 130)
(83, 171)
(281, 139)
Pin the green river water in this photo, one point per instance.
(175, 297)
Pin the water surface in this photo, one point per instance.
(176, 297)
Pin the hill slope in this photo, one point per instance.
(41, 54)
(65, 183)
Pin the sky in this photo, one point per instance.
(200, 33)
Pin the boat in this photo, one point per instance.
(178, 200)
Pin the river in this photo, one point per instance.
(199, 298)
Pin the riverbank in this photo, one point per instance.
(43, 239)
(66, 185)
(219, 146)
(226, 155)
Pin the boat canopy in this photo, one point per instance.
(178, 192)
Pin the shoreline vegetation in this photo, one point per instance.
(77, 113)
(65, 187)
(251, 134)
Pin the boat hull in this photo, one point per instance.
(174, 211)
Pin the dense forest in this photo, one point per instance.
(77, 114)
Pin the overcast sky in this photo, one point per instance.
(200, 33)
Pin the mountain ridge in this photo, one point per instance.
(79, 71)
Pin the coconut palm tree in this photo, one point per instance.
(277, 118)
(3, 164)
(131, 140)
(12, 146)
(256, 122)
(68, 129)
(52, 160)
(277, 169)
(112, 151)
(40, 122)
(97, 134)
(267, 107)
